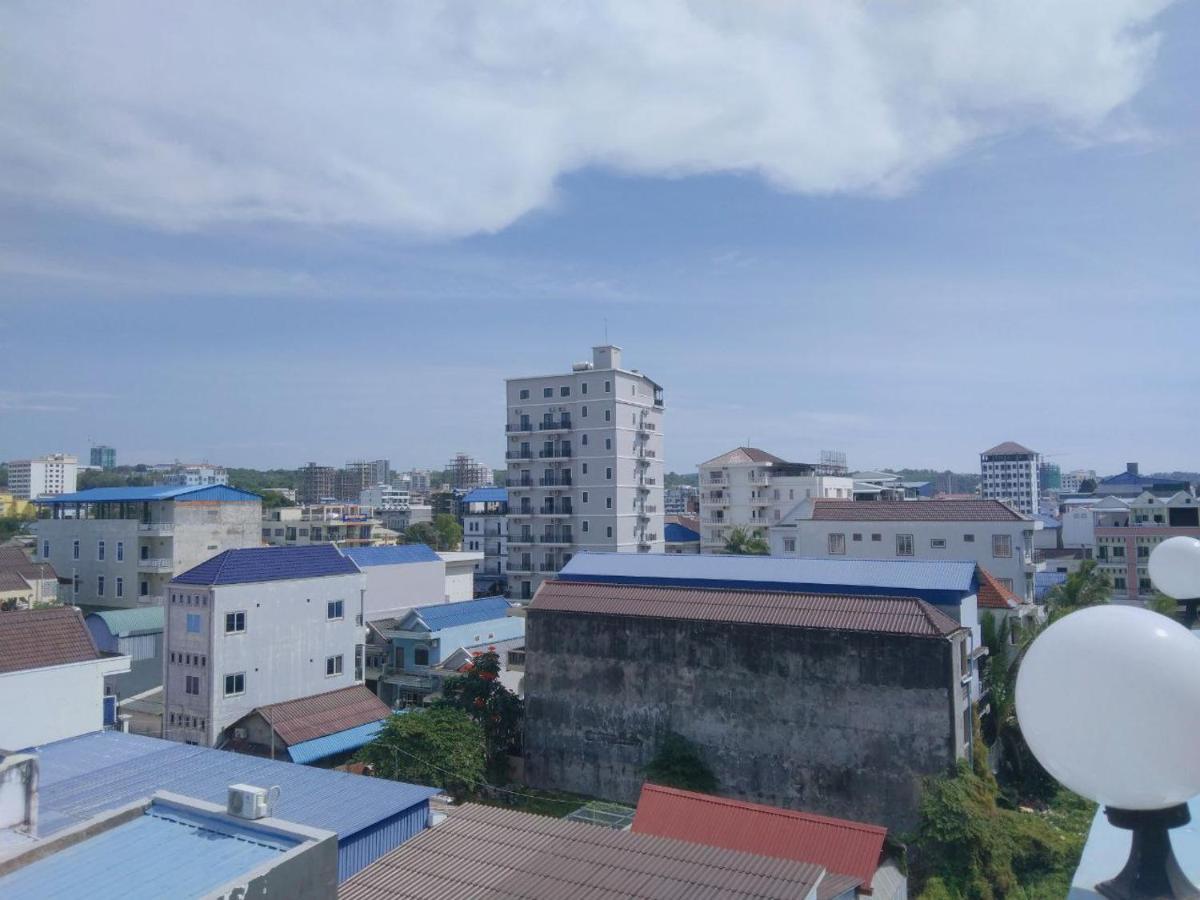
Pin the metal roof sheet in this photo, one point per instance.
(675, 533)
(153, 492)
(37, 638)
(485, 851)
(913, 511)
(840, 845)
(486, 495)
(253, 564)
(878, 615)
(1044, 582)
(307, 718)
(84, 776)
(466, 612)
(122, 622)
(339, 742)
(391, 556)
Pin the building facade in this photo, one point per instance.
(45, 476)
(345, 524)
(104, 457)
(1009, 472)
(317, 483)
(681, 500)
(384, 496)
(485, 528)
(119, 547)
(192, 475)
(1128, 529)
(1071, 482)
(585, 467)
(751, 489)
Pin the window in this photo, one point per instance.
(583, 440)
(99, 585)
(585, 496)
(421, 656)
(857, 536)
(1118, 551)
(1144, 584)
(333, 665)
(583, 468)
(45, 549)
(608, 502)
(837, 544)
(235, 684)
(335, 609)
(564, 391)
(608, 415)
(235, 622)
(608, 443)
(547, 392)
(193, 623)
(608, 531)
(1001, 545)
(1119, 583)
(524, 393)
(968, 538)
(877, 536)
(120, 587)
(789, 545)
(120, 551)
(191, 684)
(1143, 551)
(608, 387)
(937, 543)
(608, 472)
(586, 526)
(75, 549)
(100, 551)
(1007, 582)
(904, 545)
(583, 388)
(144, 589)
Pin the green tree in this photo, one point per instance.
(448, 530)
(678, 763)
(1087, 486)
(498, 710)
(1087, 587)
(441, 746)
(421, 533)
(1164, 605)
(746, 543)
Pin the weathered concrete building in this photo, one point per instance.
(837, 705)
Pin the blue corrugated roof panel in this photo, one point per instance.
(674, 533)
(166, 852)
(122, 622)
(338, 742)
(253, 564)
(154, 492)
(1044, 582)
(486, 495)
(466, 612)
(391, 556)
(84, 776)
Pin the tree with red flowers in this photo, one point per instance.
(501, 712)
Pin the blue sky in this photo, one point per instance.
(197, 267)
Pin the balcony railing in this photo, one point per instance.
(520, 567)
(561, 509)
(154, 565)
(518, 482)
(554, 482)
(156, 528)
(555, 453)
(519, 428)
(563, 425)
(519, 454)
(556, 538)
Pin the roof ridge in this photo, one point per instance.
(767, 809)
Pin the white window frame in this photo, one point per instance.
(235, 692)
(341, 604)
(235, 614)
(334, 666)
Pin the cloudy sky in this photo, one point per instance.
(268, 233)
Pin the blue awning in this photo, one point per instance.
(338, 742)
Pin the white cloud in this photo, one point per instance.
(453, 118)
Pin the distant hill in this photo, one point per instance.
(674, 479)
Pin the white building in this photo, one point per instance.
(460, 573)
(384, 496)
(345, 524)
(485, 528)
(585, 466)
(985, 531)
(45, 476)
(1078, 522)
(401, 577)
(1010, 473)
(751, 489)
(120, 546)
(681, 500)
(1073, 480)
(191, 475)
(253, 627)
(51, 677)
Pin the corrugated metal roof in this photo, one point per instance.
(913, 511)
(878, 615)
(312, 717)
(1044, 582)
(87, 775)
(391, 556)
(154, 492)
(483, 851)
(486, 495)
(674, 534)
(37, 638)
(466, 612)
(340, 742)
(840, 845)
(253, 564)
(122, 622)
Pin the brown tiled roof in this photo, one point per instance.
(753, 454)
(1008, 447)
(13, 559)
(36, 638)
(482, 851)
(11, 580)
(880, 615)
(913, 511)
(321, 714)
(994, 595)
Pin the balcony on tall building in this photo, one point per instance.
(519, 454)
(556, 538)
(156, 529)
(519, 427)
(555, 479)
(551, 424)
(562, 508)
(555, 453)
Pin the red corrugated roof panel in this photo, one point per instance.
(322, 714)
(913, 511)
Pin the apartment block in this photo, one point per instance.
(751, 489)
(585, 466)
(1071, 482)
(382, 495)
(1009, 472)
(119, 547)
(485, 529)
(193, 474)
(1127, 529)
(252, 627)
(44, 476)
(317, 483)
(104, 457)
(344, 524)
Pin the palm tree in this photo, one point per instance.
(746, 543)
(1087, 587)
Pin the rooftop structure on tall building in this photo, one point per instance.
(1009, 472)
(344, 524)
(43, 476)
(485, 529)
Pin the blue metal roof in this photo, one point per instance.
(1127, 478)
(251, 564)
(166, 852)
(674, 533)
(338, 742)
(83, 776)
(390, 556)
(1043, 582)
(486, 495)
(466, 612)
(155, 492)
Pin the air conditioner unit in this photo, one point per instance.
(247, 801)
(239, 734)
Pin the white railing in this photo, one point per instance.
(155, 565)
(155, 527)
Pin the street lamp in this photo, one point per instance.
(1109, 702)
(1175, 570)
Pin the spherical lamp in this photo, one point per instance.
(1108, 699)
(1175, 570)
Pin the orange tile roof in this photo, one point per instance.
(994, 595)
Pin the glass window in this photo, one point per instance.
(608, 531)
(608, 502)
(608, 443)
(904, 545)
(120, 586)
(969, 538)
(235, 622)
(99, 585)
(583, 388)
(333, 665)
(877, 536)
(120, 551)
(585, 496)
(564, 391)
(192, 684)
(586, 526)
(608, 472)
(547, 392)
(583, 440)
(335, 609)
(608, 415)
(524, 393)
(45, 549)
(235, 684)
(100, 550)
(421, 656)
(789, 545)
(1001, 545)
(75, 549)
(937, 543)
(857, 536)
(193, 623)
(607, 387)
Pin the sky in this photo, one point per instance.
(262, 235)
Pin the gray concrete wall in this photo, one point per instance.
(840, 723)
(392, 590)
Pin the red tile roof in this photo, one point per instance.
(993, 595)
(321, 714)
(880, 615)
(13, 559)
(744, 454)
(1008, 448)
(11, 580)
(842, 846)
(37, 638)
(913, 511)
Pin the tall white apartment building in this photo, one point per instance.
(1010, 473)
(751, 489)
(485, 529)
(384, 496)
(44, 476)
(188, 475)
(585, 467)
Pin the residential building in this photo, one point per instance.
(399, 519)
(137, 634)
(485, 529)
(1064, 560)
(1049, 536)
(1003, 604)
(510, 654)
(585, 466)
(382, 495)
(1009, 472)
(444, 501)
(1072, 482)
(986, 531)
(682, 534)
(399, 578)
(460, 573)
(317, 484)
(345, 524)
(193, 474)
(51, 677)
(104, 457)
(11, 506)
(558, 858)
(119, 547)
(379, 471)
(681, 500)
(1129, 528)
(1049, 477)
(842, 847)
(106, 771)
(1078, 521)
(770, 687)
(43, 476)
(253, 627)
(419, 481)
(15, 591)
(351, 480)
(29, 584)
(408, 650)
(465, 474)
(751, 489)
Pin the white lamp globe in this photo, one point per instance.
(1175, 567)
(1108, 699)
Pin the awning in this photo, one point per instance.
(338, 742)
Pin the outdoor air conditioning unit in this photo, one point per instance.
(247, 801)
